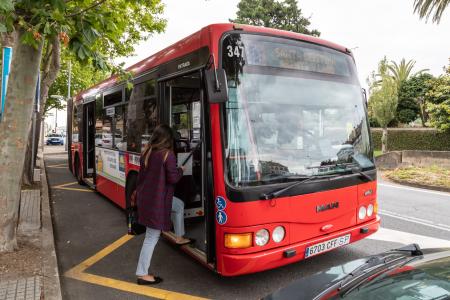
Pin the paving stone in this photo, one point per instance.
(30, 212)
(21, 289)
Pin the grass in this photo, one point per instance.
(431, 176)
(377, 153)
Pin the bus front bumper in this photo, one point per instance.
(239, 264)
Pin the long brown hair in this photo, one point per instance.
(162, 139)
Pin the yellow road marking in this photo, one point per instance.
(58, 166)
(64, 187)
(78, 273)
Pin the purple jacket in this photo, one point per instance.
(154, 189)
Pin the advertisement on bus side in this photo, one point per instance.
(111, 164)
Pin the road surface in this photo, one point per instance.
(85, 223)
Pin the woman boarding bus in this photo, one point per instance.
(272, 127)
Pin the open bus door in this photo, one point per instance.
(89, 138)
(183, 107)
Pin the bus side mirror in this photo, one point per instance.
(216, 85)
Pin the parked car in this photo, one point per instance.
(105, 139)
(404, 273)
(55, 139)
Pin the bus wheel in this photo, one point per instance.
(78, 171)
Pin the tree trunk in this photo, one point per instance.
(50, 71)
(14, 129)
(384, 139)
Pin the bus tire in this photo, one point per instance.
(78, 172)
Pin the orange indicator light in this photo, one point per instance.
(238, 240)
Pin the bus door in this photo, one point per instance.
(89, 138)
(183, 96)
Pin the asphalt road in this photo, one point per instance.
(85, 223)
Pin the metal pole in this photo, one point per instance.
(68, 97)
(42, 134)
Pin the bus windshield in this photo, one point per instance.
(295, 109)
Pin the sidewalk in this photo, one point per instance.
(31, 272)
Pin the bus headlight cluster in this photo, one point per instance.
(262, 236)
(278, 234)
(364, 212)
(369, 210)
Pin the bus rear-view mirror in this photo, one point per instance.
(216, 85)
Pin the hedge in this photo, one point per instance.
(412, 139)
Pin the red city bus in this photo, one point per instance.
(282, 166)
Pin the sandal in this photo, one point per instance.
(157, 280)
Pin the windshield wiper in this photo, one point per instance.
(377, 264)
(281, 191)
(374, 265)
(353, 167)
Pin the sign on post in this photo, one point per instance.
(6, 67)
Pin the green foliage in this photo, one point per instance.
(413, 139)
(438, 105)
(95, 31)
(383, 99)
(411, 97)
(403, 71)
(411, 88)
(426, 8)
(83, 76)
(283, 14)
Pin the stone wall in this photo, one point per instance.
(395, 159)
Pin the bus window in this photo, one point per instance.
(120, 128)
(104, 128)
(113, 98)
(75, 124)
(142, 115)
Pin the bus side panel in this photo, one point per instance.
(219, 185)
(112, 190)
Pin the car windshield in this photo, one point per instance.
(429, 281)
(54, 135)
(294, 109)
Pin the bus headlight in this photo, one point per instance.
(362, 212)
(262, 237)
(278, 234)
(238, 240)
(369, 210)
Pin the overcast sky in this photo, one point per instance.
(376, 28)
(372, 28)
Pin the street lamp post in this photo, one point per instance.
(62, 99)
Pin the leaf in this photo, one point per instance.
(6, 5)
(3, 28)
(81, 53)
(58, 4)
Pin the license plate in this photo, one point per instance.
(327, 245)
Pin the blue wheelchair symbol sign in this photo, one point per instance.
(221, 203)
(221, 217)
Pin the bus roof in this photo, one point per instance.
(207, 36)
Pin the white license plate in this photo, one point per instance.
(327, 245)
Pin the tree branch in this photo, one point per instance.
(50, 76)
(86, 9)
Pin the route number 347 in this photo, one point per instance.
(236, 51)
